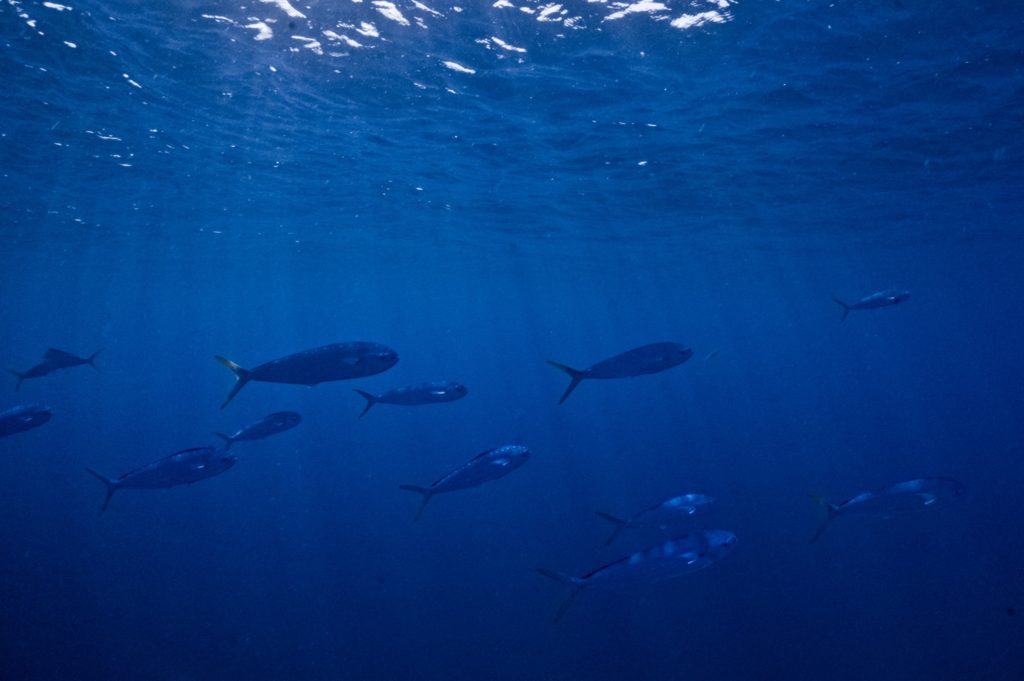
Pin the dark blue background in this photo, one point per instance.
(480, 224)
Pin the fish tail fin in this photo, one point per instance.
(91, 359)
(228, 440)
(575, 582)
(425, 491)
(371, 400)
(243, 376)
(575, 376)
(110, 484)
(21, 377)
(619, 523)
(830, 512)
(846, 308)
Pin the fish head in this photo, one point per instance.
(224, 462)
(36, 415)
(720, 542)
(899, 297)
(285, 419)
(516, 454)
(383, 357)
(677, 354)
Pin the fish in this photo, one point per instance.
(903, 497)
(23, 417)
(424, 393)
(54, 359)
(673, 558)
(335, 362)
(880, 299)
(490, 465)
(275, 423)
(660, 516)
(647, 359)
(180, 468)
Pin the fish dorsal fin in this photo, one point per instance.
(53, 354)
(481, 455)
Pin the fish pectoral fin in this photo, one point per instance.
(690, 510)
(351, 361)
(503, 461)
(928, 499)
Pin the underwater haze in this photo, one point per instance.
(485, 188)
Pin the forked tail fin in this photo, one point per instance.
(576, 583)
(846, 308)
(243, 376)
(21, 377)
(110, 484)
(831, 510)
(371, 400)
(575, 376)
(228, 440)
(619, 523)
(425, 491)
(91, 359)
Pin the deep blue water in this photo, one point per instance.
(484, 188)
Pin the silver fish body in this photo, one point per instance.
(23, 417)
(873, 301)
(180, 468)
(336, 362)
(272, 424)
(647, 359)
(903, 497)
(415, 395)
(673, 558)
(490, 465)
(660, 516)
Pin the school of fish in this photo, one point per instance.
(678, 555)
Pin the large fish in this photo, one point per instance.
(660, 516)
(180, 468)
(23, 417)
(673, 558)
(490, 465)
(54, 359)
(424, 393)
(903, 497)
(648, 359)
(880, 299)
(275, 423)
(328, 363)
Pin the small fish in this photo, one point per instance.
(673, 558)
(275, 423)
(660, 516)
(424, 393)
(903, 497)
(54, 359)
(23, 417)
(490, 465)
(711, 355)
(648, 359)
(335, 362)
(180, 468)
(880, 299)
